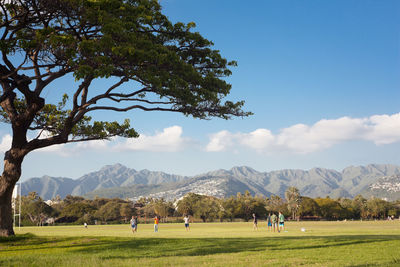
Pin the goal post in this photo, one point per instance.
(17, 194)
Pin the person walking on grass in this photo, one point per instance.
(274, 221)
(136, 223)
(255, 227)
(133, 224)
(155, 224)
(281, 222)
(269, 223)
(186, 219)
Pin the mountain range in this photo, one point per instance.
(387, 187)
(119, 181)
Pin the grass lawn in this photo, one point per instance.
(209, 244)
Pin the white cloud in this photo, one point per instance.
(220, 141)
(71, 149)
(385, 129)
(169, 140)
(5, 143)
(59, 149)
(95, 144)
(301, 138)
(323, 134)
(258, 140)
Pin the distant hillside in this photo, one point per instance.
(317, 182)
(357, 179)
(109, 176)
(218, 186)
(387, 187)
(48, 187)
(133, 191)
(120, 181)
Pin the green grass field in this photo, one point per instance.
(210, 244)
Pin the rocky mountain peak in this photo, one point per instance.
(314, 182)
(243, 170)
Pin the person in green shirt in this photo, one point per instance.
(269, 223)
(281, 222)
(274, 220)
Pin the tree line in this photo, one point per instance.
(78, 210)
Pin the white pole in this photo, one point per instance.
(19, 219)
(14, 202)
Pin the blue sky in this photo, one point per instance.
(322, 78)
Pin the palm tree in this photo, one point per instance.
(293, 199)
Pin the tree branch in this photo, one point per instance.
(52, 77)
(106, 94)
(36, 68)
(13, 72)
(85, 84)
(7, 62)
(122, 98)
(130, 108)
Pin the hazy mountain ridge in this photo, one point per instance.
(110, 176)
(120, 181)
(48, 187)
(386, 187)
(357, 179)
(317, 181)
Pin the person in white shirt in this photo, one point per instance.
(186, 219)
(133, 224)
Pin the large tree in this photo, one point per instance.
(163, 67)
(293, 198)
(34, 208)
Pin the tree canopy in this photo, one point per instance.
(170, 67)
(154, 65)
(292, 195)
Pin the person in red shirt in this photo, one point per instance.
(156, 224)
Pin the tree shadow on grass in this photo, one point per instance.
(108, 248)
(169, 247)
(29, 242)
(16, 238)
(394, 262)
(24, 241)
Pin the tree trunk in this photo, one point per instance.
(10, 176)
(6, 220)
